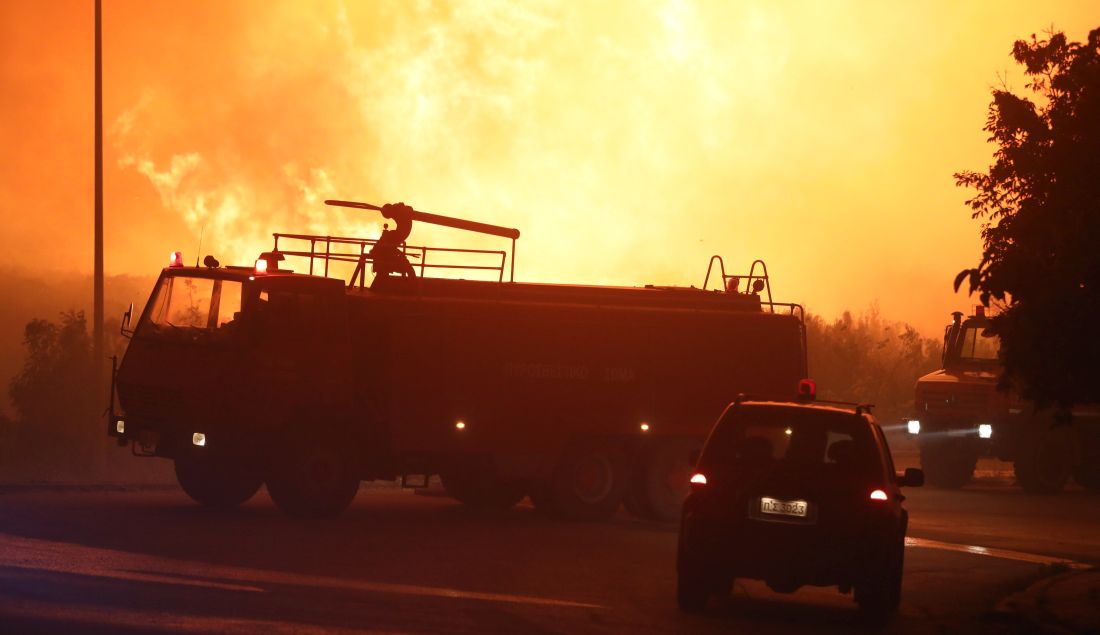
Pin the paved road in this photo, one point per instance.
(150, 561)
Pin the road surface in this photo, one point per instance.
(151, 561)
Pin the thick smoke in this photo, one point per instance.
(628, 141)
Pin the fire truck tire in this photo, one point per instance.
(482, 489)
(589, 483)
(314, 481)
(947, 464)
(659, 483)
(214, 483)
(1087, 476)
(1043, 463)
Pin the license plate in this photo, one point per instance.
(795, 508)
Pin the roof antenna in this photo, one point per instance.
(199, 250)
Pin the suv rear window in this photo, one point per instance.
(794, 437)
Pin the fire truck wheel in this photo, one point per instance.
(315, 481)
(1087, 476)
(947, 464)
(482, 489)
(659, 483)
(588, 483)
(215, 483)
(1043, 463)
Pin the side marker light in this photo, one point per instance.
(644, 427)
(460, 425)
(985, 431)
(120, 426)
(198, 439)
(699, 479)
(878, 495)
(913, 426)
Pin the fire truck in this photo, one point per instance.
(370, 363)
(961, 415)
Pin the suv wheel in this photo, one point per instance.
(880, 596)
(696, 582)
(692, 593)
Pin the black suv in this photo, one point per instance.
(795, 494)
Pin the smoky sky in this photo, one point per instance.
(627, 141)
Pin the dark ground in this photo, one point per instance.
(110, 561)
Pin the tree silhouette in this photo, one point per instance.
(58, 431)
(53, 393)
(867, 358)
(1040, 202)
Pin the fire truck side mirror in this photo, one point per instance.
(124, 327)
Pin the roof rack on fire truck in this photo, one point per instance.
(389, 253)
(754, 283)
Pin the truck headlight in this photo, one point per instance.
(913, 426)
(985, 431)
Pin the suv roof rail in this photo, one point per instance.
(860, 408)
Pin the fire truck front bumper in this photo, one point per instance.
(152, 440)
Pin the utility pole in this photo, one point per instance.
(97, 317)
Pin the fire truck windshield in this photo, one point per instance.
(192, 303)
(978, 345)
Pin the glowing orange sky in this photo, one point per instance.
(629, 141)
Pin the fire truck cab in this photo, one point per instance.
(581, 397)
